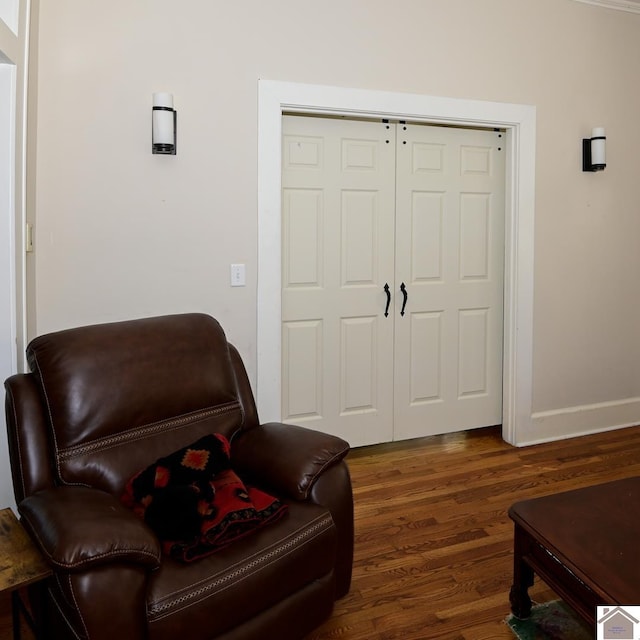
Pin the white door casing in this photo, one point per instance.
(518, 121)
(14, 63)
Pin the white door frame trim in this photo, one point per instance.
(519, 122)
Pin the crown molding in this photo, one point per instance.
(620, 5)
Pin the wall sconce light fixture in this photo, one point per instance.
(593, 151)
(163, 124)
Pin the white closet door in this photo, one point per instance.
(338, 200)
(449, 255)
(420, 208)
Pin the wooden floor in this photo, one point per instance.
(433, 539)
(433, 550)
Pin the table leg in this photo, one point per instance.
(19, 612)
(40, 630)
(522, 576)
(15, 614)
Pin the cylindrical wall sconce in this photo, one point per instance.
(593, 151)
(163, 124)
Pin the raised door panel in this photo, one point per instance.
(359, 368)
(427, 216)
(426, 373)
(359, 239)
(302, 354)
(302, 240)
(475, 217)
(473, 351)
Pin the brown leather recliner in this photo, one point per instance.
(101, 403)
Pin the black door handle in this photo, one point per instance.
(405, 296)
(386, 289)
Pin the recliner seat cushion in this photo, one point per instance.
(288, 555)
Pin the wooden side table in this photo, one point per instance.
(21, 564)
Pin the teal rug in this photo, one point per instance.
(551, 621)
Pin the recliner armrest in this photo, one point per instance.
(78, 527)
(286, 457)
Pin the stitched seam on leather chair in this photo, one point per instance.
(61, 610)
(245, 569)
(107, 554)
(75, 602)
(62, 613)
(144, 432)
(335, 458)
(87, 561)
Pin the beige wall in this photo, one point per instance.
(122, 233)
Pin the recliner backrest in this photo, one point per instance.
(120, 395)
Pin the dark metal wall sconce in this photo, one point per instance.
(593, 151)
(163, 124)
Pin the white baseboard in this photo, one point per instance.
(547, 426)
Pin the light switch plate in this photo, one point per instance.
(238, 275)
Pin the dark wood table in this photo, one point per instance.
(20, 565)
(585, 544)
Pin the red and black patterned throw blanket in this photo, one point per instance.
(195, 503)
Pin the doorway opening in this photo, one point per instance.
(518, 122)
(406, 215)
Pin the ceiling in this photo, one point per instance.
(631, 6)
